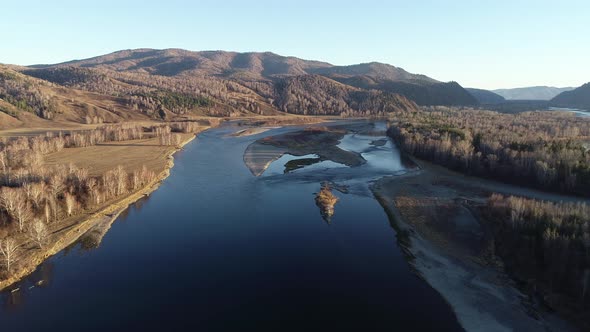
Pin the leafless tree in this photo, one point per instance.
(47, 211)
(121, 179)
(10, 252)
(8, 199)
(22, 213)
(34, 192)
(38, 232)
(3, 160)
(71, 203)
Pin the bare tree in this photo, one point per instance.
(3, 160)
(47, 211)
(8, 199)
(109, 182)
(38, 232)
(70, 203)
(136, 179)
(121, 180)
(9, 250)
(93, 187)
(22, 213)
(34, 192)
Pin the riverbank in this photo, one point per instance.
(78, 226)
(435, 213)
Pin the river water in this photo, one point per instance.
(217, 249)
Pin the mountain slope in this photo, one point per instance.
(176, 85)
(423, 92)
(27, 101)
(531, 93)
(178, 62)
(577, 98)
(376, 70)
(315, 94)
(258, 71)
(485, 96)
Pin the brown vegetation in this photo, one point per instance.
(546, 245)
(542, 149)
(35, 197)
(325, 200)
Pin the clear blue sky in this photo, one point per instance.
(486, 44)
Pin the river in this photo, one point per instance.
(218, 249)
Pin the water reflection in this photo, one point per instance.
(15, 297)
(218, 249)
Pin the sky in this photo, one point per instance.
(484, 44)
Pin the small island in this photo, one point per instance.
(325, 200)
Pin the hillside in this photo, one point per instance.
(174, 84)
(577, 98)
(314, 94)
(486, 96)
(261, 69)
(531, 93)
(375, 70)
(177, 62)
(30, 102)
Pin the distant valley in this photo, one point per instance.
(531, 93)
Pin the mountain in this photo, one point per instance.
(486, 96)
(531, 93)
(175, 84)
(178, 62)
(577, 98)
(256, 67)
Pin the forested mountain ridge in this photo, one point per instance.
(577, 98)
(315, 94)
(174, 62)
(260, 71)
(486, 96)
(172, 84)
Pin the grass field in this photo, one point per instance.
(131, 154)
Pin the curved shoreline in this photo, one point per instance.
(107, 214)
(479, 293)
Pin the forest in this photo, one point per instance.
(546, 150)
(545, 244)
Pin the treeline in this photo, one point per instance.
(546, 244)
(540, 149)
(21, 159)
(58, 192)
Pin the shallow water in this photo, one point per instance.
(578, 112)
(279, 166)
(217, 249)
